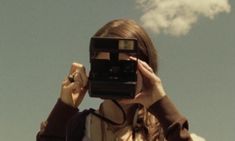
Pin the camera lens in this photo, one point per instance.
(114, 69)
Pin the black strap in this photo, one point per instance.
(108, 120)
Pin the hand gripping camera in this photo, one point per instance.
(112, 78)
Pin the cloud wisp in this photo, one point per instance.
(176, 17)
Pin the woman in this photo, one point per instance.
(150, 116)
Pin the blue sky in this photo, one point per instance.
(40, 39)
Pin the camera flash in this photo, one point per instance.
(126, 45)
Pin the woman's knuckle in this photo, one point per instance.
(63, 83)
(82, 67)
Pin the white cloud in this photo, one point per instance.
(176, 17)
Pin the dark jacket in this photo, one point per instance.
(67, 123)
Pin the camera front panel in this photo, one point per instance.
(112, 78)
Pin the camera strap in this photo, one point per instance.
(109, 120)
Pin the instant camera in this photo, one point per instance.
(112, 78)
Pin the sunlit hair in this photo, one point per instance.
(126, 28)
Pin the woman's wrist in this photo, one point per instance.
(157, 95)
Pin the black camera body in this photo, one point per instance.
(112, 78)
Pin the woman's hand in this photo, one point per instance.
(72, 93)
(152, 89)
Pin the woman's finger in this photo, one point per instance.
(144, 71)
(72, 72)
(73, 67)
(142, 62)
(73, 86)
(145, 65)
(133, 58)
(77, 77)
(83, 76)
(77, 71)
(66, 82)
